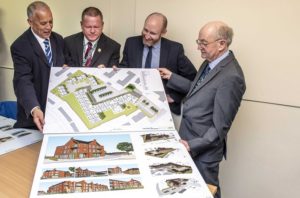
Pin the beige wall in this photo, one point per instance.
(263, 159)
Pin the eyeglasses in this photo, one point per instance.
(205, 44)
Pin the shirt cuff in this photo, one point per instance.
(36, 107)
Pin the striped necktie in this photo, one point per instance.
(48, 52)
(88, 54)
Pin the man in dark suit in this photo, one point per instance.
(164, 53)
(33, 54)
(91, 47)
(212, 100)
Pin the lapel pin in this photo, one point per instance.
(99, 50)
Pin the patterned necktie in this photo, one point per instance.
(202, 76)
(205, 72)
(149, 58)
(48, 52)
(88, 54)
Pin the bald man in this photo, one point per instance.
(212, 100)
(164, 53)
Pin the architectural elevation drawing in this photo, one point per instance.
(92, 99)
(92, 147)
(116, 165)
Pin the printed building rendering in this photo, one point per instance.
(160, 152)
(122, 185)
(54, 173)
(71, 187)
(77, 149)
(79, 172)
(156, 137)
(168, 168)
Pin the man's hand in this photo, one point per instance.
(101, 66)
(115, 68)
(65, 66)
(170, 99)
(186, 145)
(165, 73)
(38, 118)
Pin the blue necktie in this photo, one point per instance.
(205, 72)
(202, 76)
(149, 58)
(48, 52)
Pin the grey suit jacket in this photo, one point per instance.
(209, 110)
(107, 51)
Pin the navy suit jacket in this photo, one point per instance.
(107, 51)
(171, 57)
(31, 74)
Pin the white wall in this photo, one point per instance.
(263, 154)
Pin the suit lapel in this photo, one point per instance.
(98, 50)
(202, 67)
(53, 49)
(139, 53)
(163, 53)
(219, 67)
(79, 49)
(208, 78)
(37, 47)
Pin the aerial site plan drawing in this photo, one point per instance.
(104, 100)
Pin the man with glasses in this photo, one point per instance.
(151, 50)
(212, 100)
(91, 47)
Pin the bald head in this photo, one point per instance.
(218, 30)
(155, 27)
(159, 19)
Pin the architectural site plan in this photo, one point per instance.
(106, 99)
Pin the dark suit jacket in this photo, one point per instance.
(171, 57)
(107, 51)
(209, 110)
(31, 73)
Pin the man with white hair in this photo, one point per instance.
(212, 100)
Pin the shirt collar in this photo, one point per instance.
(40, 40)
(156, 45)
(85, 41)
(214, 63)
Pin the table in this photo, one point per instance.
(17, 170)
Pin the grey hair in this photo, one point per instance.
(34, 6)
(225, 32)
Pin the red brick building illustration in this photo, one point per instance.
(120, 185)
(54, 173)
(79, 172)
(71, 186)
(78, 149)
(132, 171)
(116, 170)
